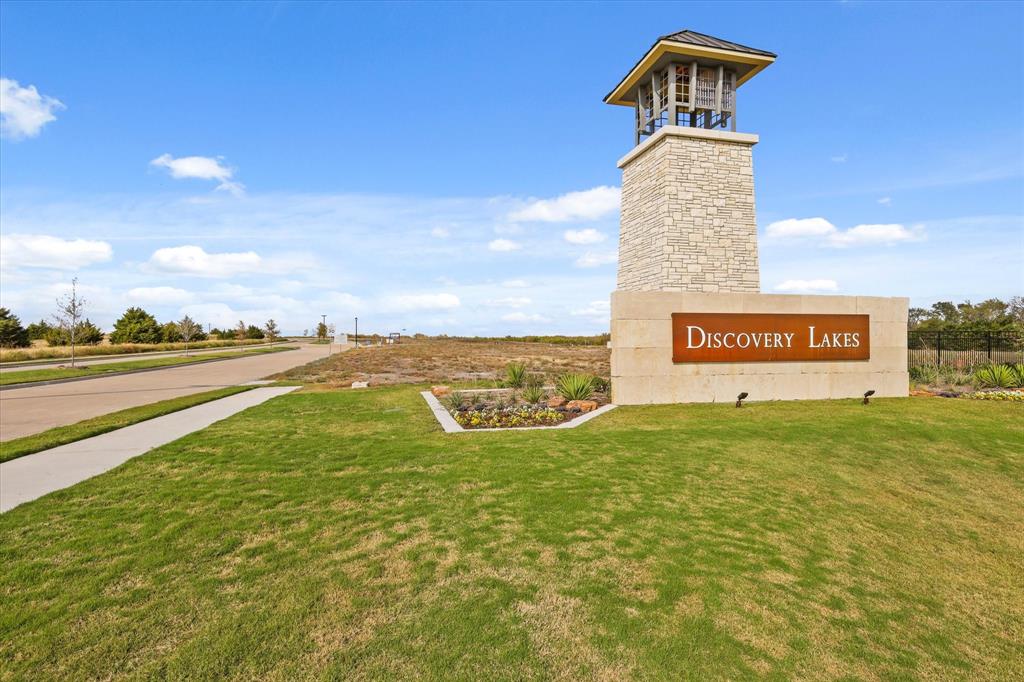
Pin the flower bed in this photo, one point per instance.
(1012, 396)
(509, 417)
(525, 402)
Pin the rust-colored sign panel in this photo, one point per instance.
(768, 337)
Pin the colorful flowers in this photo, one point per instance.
(1012, 396)
(508, 417)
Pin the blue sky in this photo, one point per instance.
(451, 167)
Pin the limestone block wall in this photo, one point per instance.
(643, 372)
(687, 219)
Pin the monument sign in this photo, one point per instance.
(688, 322)
(766, 337)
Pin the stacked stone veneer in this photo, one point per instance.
(688, 221)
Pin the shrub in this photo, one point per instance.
(515, 374)
(995, 376)
(12, 334)
(924, 374)
(533, 394)
(575, 386)
(86, 334)
(1018, 374)
(602, 385)
(955, 376)
(136, 326)
(169, 333)
(453, 401)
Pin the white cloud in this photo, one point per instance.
(45, 251)
(515, 283)
(503, 245)
(839, 158)
(202, 168)
(593, 260)
(23, 111)
(524, 317)
(194, 260)
(413, 302)
(595, 309)
(218, 315)
(440, 232)
(885, 201)
(509, 302)
(800, 227)
(585, 205)
(159, 295)
(860, 235)
(807, 286)
(587, 236)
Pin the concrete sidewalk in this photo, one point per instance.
(32, 409)
(32, 476)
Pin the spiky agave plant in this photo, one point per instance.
(515, 374)
(995, 376)
(575, 386)
(533, 393)
(1018, 374)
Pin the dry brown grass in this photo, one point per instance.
(449, 361)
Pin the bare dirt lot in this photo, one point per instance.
(449, 360)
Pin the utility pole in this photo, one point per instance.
(357, 332)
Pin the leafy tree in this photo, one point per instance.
(321, 331)
(136, 326)
(70, 307)
(38, 330)
(169, 332)
(12, 334)
(1015, 309)
(86, 333)
(253, 332)
(240, 331)
(989, 315)
(223, 334)
(271, 330)
(188, 330)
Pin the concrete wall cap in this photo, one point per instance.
(684, 131)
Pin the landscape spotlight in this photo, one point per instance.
(740, 398)
(868, 395)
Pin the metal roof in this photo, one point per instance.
(757, 60)
(694, 38)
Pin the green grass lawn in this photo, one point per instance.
(49, 374)
(341, 535)
(60, 435)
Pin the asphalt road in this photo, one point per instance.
(25, 411)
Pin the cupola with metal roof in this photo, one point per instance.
(688, 79)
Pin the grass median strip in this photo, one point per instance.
(342, 535)
(62, 435)
(28, 376)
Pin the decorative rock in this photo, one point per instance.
(439, 391)
(556, 401)
(583, 405)
(360, 384)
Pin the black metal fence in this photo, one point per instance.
(964, 349)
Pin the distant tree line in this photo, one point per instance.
(988, 316)
(134, 326)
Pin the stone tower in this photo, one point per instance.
(688, 222)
